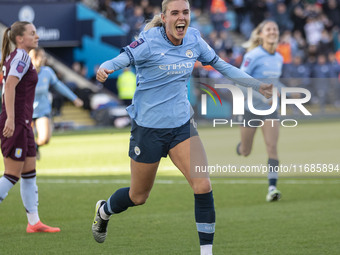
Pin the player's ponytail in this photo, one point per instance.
(155, 22)
(6, 47)
(17, 28)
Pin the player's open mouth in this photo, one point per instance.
(180, 28)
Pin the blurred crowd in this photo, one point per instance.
(309, 43)
(309, 29)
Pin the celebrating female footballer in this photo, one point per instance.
(164, 57)
(263, 62)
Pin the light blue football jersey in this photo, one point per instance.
(266, 67)
(47, 77)
(163, 72)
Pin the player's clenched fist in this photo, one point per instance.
(267, 90)
(103, 73)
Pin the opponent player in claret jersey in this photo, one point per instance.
(164, 57)
(42, 106)
(263, 62)
(17, 139)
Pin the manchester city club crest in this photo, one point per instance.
(137, 150)
(189, 53)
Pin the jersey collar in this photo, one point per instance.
(166, 37)
(267, 51)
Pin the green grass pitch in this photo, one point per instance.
(77, 169)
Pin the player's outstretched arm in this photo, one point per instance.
(108, 67)
(242, 78)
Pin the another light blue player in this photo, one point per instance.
(164, 57)
(263, 62)
(42, 104)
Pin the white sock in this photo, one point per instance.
(5, 186)
(102, 214)
(33, 218)
(206, 249)
(271, 188)
(29, 196)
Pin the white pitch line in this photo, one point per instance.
(98, 170)
(122, 181)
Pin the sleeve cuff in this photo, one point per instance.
(212, 62)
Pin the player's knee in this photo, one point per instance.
(139, 199)
(201, 187)
(43, 141)
(271, 148)
(46, 141)
(13, 172)
(246, 152)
